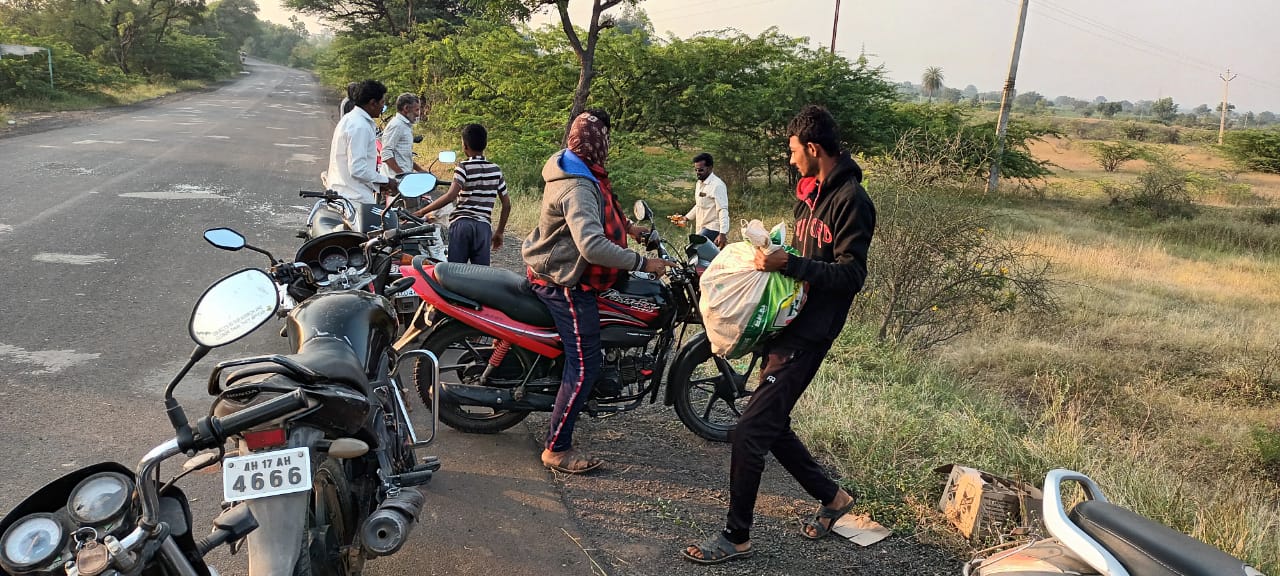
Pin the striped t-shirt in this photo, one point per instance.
(481, 182)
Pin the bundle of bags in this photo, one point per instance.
(742, 306)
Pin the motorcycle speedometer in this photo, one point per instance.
(100, 498)
(333, 259)
(32, 542)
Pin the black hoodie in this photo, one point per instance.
(834, 223)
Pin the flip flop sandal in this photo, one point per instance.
(825, 513)
(574, 463)
(717, 550)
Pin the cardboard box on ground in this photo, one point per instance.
(979, 504)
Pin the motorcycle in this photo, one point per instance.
(107, 519)
(336, 484)
(1098, 538)
(501, 357)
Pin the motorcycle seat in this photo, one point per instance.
(1144, 546)
(327, 356)
(497, 288)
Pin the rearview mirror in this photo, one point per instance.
(448, 157)
(642, 211)
(417, 184)
(417, 139)
(224, 238)
(233, 307)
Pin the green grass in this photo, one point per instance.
(119, 96)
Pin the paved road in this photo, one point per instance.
(100, 241)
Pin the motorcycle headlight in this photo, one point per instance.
(100, 498)
(32, 542)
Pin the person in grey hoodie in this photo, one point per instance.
(578, 249)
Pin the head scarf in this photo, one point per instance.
(589, 139)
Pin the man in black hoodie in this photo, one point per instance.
(834, 223)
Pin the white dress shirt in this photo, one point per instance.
(353, 158)
(710, 205)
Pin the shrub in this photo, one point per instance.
(1135, 131)
(1254, 149)
(1161, 191)
(938, 270)
(1112, 155)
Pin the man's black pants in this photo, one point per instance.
(765, 426)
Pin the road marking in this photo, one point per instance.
(274, 128)
(75, 259)
(98, 142)
(48, 361)
(303, 158)
(5, 228)
(145, 140)
(293, 145)
(216, 137)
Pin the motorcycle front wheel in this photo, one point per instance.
(711, 392)
(463, 353)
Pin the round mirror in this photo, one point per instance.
(224, 238)
(642, 211)
(417, 184)
(233, 307)
(448, 157)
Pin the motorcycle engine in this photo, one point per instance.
(624, 370)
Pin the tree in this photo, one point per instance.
(1164, 110)
(1267, 118)
(970, 91)
(951, 95)
(1254, 149)
(931, 81)
(1027, 100)
(1109, 109)
(1201, 110)
(1112, 155)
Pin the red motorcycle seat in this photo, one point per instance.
(496, 288)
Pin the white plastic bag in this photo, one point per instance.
(741, 305)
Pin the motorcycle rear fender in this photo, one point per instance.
(275, 546)
(491, 321)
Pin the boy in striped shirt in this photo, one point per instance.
(477, 186)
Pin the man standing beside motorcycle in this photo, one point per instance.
(353, 153)
(579, 249)
(835, 220)
(397, 138)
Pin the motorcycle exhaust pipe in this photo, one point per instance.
(387, 529)
(497, 398)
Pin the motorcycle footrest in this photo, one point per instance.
(431, 463)
(416, 477)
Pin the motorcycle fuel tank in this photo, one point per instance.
(636, 301)
(366, 321)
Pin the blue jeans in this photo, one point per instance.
(710, 234)
(577, 318)
(470, 241)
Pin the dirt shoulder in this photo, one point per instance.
(664, 488)
(22, 123)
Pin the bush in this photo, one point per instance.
(1254, 149)
(939, 271)
(1135, 131)
(1161, 191)
(1112, 155)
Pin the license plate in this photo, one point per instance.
(265, 474)
(407, 294)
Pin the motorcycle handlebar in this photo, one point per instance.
(327, 194)
(215, 430)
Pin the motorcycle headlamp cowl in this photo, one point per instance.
(32, 543)
(100, 499)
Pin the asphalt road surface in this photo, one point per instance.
(100, 231)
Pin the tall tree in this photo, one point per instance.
(931, 81)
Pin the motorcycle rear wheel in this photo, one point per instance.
(331, 526)
(463, 353)
(706, 390)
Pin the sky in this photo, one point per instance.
(1121, 49)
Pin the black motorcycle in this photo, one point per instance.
(335, 484)
(107, 519)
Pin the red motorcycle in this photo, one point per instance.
(501, 357)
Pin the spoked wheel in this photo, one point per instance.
(711, 392)
(330, 530)
(463, 353)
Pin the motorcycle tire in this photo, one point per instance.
(705, 401)
(331, 525)
(459, 339)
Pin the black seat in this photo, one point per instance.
(497, 288)
(1149, 548)
(326, 220)
(331, 358)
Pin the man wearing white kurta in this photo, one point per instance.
(353, 153)
(710, 213)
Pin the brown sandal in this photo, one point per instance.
(570, 462)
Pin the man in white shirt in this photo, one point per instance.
(353, 153)
(397, 138)
(710, 213)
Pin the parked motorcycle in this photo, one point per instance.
(106, 519)
(501, 357)
(1099, 538)
(336, 484)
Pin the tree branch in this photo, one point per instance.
(567, 23)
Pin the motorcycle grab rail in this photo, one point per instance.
(428, 356)
(1061, 527)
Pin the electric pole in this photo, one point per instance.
(1226, 84)
(835, 25)
(1006, 101)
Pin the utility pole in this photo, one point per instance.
(835, 25)
(1226, 84)
(1006, 101)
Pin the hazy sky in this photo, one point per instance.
(1121, 49)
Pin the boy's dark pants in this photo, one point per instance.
(470, 241)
